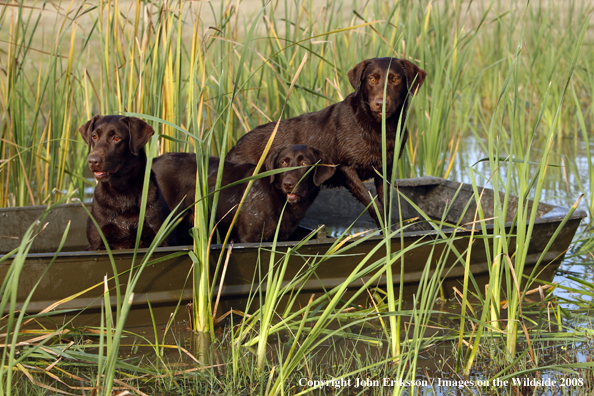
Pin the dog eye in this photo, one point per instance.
(304, 163)
(371, 79)
(396, 79)
(94, 136)
(116, 138)
(284, 163)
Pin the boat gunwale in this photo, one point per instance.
(554, 214)
(461, 230)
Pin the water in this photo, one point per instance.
(563, 186)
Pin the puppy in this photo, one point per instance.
(349, 132)
(118, 161)
(261, 212)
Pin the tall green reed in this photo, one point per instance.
(489, 67)
(14, 320)
(512, 170)
(163, 60)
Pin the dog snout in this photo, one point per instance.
(95, 160)
(290, 180)
(288, 183)
(379, 101)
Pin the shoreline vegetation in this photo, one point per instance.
(516, 79)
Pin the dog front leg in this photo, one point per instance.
(354, 184)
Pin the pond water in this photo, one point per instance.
(563, 186)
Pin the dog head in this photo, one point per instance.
(296, 184)
(114, 143)
(369, 78)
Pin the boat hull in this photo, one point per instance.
(166, 279)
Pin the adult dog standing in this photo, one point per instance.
(349, 132)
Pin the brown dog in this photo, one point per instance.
(261, 211)
(118, 161)
(349, 132)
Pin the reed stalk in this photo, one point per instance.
(498, 75)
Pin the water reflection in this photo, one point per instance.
(563, 185)
(566, 178)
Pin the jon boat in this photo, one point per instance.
(167, 281)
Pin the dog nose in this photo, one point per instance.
(289, 184)
(95, 160)
(378, 103)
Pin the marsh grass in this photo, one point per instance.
(150, 63)
(514, 77)
(337, 357)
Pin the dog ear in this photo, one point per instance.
(270, 162)
(414, 75)
(86, 129)
(140, 133)
(356, 73)
(322, 173)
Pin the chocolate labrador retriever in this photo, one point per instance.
(349, 132)
(118, 161)
(261, 211)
